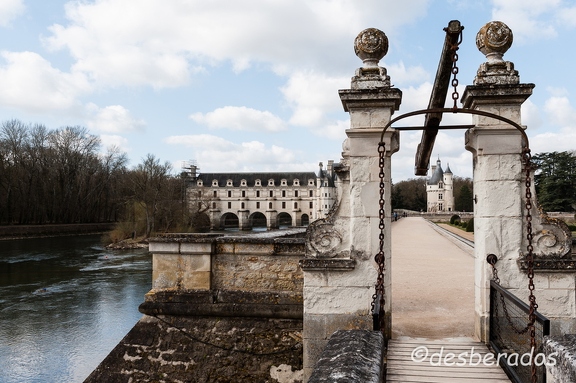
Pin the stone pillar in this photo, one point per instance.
(498, 176)
(339, 268)
(243, 220)
(215, 215)
(272, 219)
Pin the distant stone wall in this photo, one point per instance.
(12, 231)
(443, 217)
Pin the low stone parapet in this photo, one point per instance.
(561, 351)
(351, 356)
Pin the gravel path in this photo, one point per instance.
(432, 283)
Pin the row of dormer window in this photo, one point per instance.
(270, 205)
(258, 182)
(259, 194)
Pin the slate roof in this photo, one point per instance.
(251, 178)
(437, 176)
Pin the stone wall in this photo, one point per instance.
(205, 349)
(13, 231)
(222, 309)
(561, 359)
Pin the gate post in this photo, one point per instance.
(339, 268)
(498, 178)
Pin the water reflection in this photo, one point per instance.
(64, 304)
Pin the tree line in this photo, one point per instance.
(61, 176)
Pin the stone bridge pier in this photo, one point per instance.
(339, 270)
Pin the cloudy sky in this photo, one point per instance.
(252, 85)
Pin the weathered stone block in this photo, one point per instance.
(351, 356)
(562, 281)
(498, 167)
(196, 248)
(180, 271)
(334, 300)
(507, 193)
(164, 247)
(562, 349)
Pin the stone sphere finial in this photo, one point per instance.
(371, 45)
(493, 40)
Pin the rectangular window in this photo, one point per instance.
(257, 193)
(311, 193)
(215, 194)
(229, 193)
(295, 193)
(440, 196)
(295, 205)
(283, 193)
(229, 205)
(243, 193)
(283, 205)
(311, 205)
(271, 193)
(257, 205)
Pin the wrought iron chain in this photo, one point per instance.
(492, 259)
(527, 158)
(379, 258)
(530, 327)
(454, 49)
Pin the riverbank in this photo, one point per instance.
(42, 231)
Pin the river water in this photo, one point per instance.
(64, 305)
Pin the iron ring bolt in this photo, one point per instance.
(492, 259)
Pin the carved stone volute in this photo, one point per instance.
(552, 241)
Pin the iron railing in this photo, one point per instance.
(508, 338)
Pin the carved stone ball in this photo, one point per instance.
(494, 39)
(371, 45)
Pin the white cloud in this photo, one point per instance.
(402, 76)
(30, 82)
(9, 10)
(159, 43)
(109, 140)
(560, 112)
(560, 141)
(112, 119)
(334, 131)
(534, 19)
(223, 155)
(531, 115)
(312, 95)
(240, 118)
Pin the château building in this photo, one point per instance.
(440, 189)
(262, 200)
